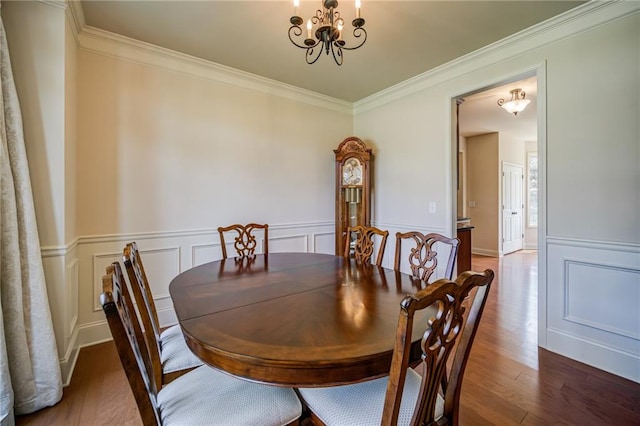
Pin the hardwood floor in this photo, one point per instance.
(508, 380)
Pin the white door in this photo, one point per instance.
(512, 208)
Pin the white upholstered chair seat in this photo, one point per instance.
(361, 404)
(206, 396)
(175, 355)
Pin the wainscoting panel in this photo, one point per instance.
(165, 255)
(593, 290)
(323, 242)
(204, 253)
(100, 263)
(289, 243)
(71, 279)
(601, 282)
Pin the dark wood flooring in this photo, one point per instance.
(508, 380)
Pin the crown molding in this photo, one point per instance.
(121, 47)
(61, 4)
(75, 14)
(583, 18)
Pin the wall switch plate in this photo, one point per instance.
(472, 204)
(432, 207)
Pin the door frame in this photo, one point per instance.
(538, 70)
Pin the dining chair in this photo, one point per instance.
(168, 348)
(423, 257)
(361, 240)
(245, 242)
(201, 396)
(406, 397)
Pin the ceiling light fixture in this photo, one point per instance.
(328, 31)
(517, 102)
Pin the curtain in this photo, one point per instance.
(29, 368)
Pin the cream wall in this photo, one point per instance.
(483, 153)
(36, 38)
(70, 132)
(591, 213)
(162, 150)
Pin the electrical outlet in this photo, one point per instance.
(472, 204)
(432, 207)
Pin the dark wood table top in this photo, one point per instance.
(293, 319)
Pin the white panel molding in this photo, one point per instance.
(594, 244)
(403, 227)
(58, 251)
(72, 296)
(196, 247)
(178, 259)
(208, 232)
(582, 18)
(314, 239)
(98, 272)
(114, 45)
(304, 237)
(601, 327)
(568, 282)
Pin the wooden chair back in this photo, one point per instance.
(448, 327)
(364, 244)
(245, 242)
(127, 336)
(423, 258)
(146, 306)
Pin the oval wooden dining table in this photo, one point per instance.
(293, 319)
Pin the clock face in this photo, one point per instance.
(352, 172)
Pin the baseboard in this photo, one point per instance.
(484, 252)
(94, 333)
(68, 363)
(614, 361)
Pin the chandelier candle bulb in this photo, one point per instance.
(357, 8)
(309, 27)
(296, 5)
(339, 31)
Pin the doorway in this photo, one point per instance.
(494, 146)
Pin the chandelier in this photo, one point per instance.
(327, 36)
(517, 103)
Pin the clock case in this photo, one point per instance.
(353, 202)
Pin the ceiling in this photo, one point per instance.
(405, 39)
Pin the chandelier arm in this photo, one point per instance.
(336, 51)
(357, 33)
(297, 31)
(309, 55)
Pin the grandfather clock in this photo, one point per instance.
(353, 188)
